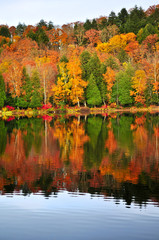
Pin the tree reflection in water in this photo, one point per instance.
(115, 156)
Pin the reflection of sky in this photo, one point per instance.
(69, 215)
(62, 11)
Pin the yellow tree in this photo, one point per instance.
(75, 80)
(62, 88)
(13, 77)
(139, 86)
(117, 43)
(109, 78)
(48, 73)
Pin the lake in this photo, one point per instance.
(80, 177)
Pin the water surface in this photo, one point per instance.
(93, 177)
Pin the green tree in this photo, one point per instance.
(41, 37)
(36, 93)
(123, 16)
(84, 58)
(92, 65)
(87, 25)
(2, 91)
(122, 87)
(4, 31)
(26, 90)
(112, 18)
(20, 29)
(136, 20)
(93, 93)
(154, 17)
(94, 24)
(146, 31)
(42, 23)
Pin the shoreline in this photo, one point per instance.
(75, 111)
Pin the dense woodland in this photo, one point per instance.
(110, 60)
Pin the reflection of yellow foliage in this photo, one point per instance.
(71, 140)
(111, 143)
(140, 137)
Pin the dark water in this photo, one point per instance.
(80, 177)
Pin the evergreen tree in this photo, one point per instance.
(50, 25)
(122, 87)
(41, 37)
(4, 31)
(26, 90)
(94, 24)
(93, 93)
(112, 18)
(84, 58)
(42, 23)
(36, 95)
(87, 25)
(20, 29)
(136, 20)
(92, 65)
(154, 17)
(123, 16)
(2, 91)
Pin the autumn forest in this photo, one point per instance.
(110, 61)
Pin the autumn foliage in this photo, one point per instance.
(82, 59)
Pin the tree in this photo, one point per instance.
(42, 23)
(117, 43)
(95, 67)
(139, 86)
(112, 18)
(93, 93)
(20, 29)
(108, 32)
(4, 31)
(62, 88)
(93, 36)
(13, 78)
(36, 93)
(123, 16)
(135, 21)
(2, 91)
(79, 33)
(75, 79)
(143, 33)
(47, 71)
(123, 86)
(94, 24)
(109, 78)
(26, 90)
(41, 37)
(85, 57)
(87, 25)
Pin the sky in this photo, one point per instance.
(62, 11)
